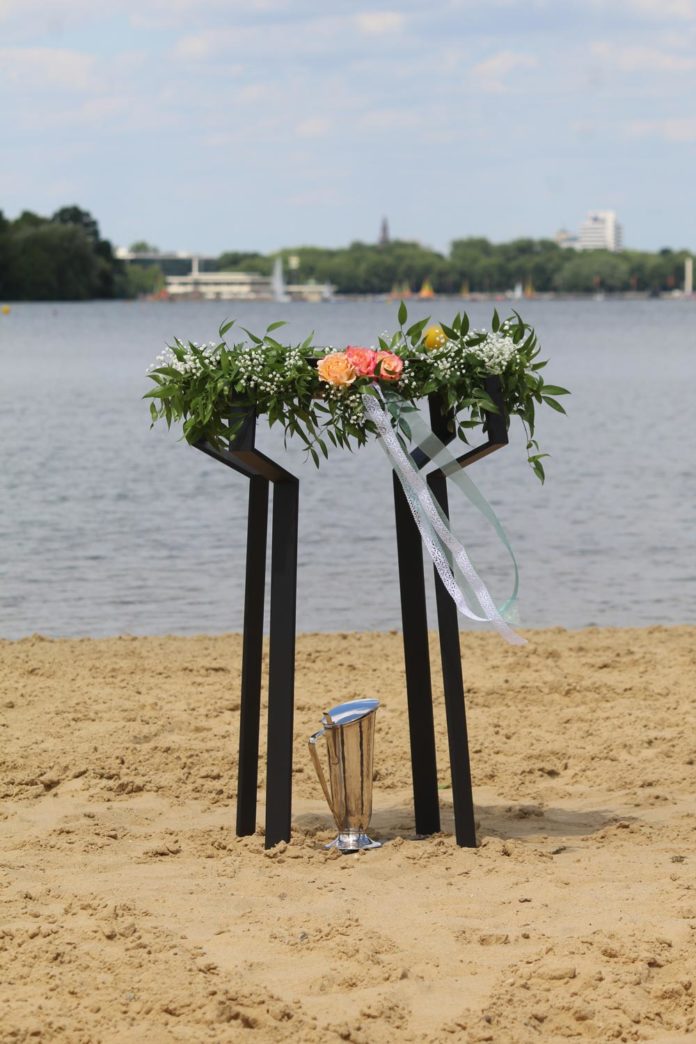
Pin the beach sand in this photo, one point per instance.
(130, 912)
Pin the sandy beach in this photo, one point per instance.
(131, 912)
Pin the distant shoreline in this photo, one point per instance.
(497, 296)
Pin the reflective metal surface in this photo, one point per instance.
(349, 731)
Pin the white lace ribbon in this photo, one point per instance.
(440, 542)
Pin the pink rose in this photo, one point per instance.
(391, 366)
(364, 360)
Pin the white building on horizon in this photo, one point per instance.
(567, 240)
(600, 231)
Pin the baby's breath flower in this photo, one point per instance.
(495, 352)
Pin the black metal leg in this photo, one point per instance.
(252, 653)
(281, 674)
(450, 652)
(417, 660)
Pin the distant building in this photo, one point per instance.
(220, 286)
(384, 233)
(196, 277)
(601, 231)
(171, 262)
(567, 240)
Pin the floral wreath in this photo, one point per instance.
(317, 394)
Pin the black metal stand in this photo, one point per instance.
(415, 632)
(243, 457)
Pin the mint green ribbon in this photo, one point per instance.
(438, 454)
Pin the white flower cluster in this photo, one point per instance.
(407, 380)
(250, 361)
(254, 372)
(347, 406)
(190, 363)
(495, 352)
(294, 359)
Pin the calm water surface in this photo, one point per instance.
(108, 527)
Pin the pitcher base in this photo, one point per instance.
(353, 841)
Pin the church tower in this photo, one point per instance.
(384, 233)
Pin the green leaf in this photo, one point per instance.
(402, 314)
(486, 403)
(277, 325)
(538, 469)
(405, 427)
(168, 371)
(415, 332)
(495, 321)
(553, 404)
(552, 389)
(225, 327)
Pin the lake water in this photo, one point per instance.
(107, 527)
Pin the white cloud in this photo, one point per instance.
(491, 72)
(317, 127)
(391, 119)
(376, 23)
(665, 10)
(47, 67)
(266, 42)
(679, 130)
(642, 59)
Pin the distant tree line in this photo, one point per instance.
(61, 258)
(65, 258)
(473, 265)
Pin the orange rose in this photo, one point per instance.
(336, 369)
(390, 366)
(434, 338)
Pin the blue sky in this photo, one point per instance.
(217, 124)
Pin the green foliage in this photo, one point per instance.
(473, 264)
(79, 218)
(141, 246)
(58, 259)
(143, 279)
(213, 388)
(239, 261)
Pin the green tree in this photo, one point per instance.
(52, 262)
(143, 279)
(241, 261)
(586, 271)
(81, 218)
(141, 246)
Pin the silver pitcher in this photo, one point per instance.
(349, 731)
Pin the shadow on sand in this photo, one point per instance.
(504, 821)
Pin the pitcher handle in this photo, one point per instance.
(312, 744)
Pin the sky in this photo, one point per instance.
(213, 125)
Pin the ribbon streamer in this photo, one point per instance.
(449, 555)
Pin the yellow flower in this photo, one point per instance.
(336, 369)
(434, 338)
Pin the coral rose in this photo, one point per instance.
(336, 369)
(363, 359)
(390, 366)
